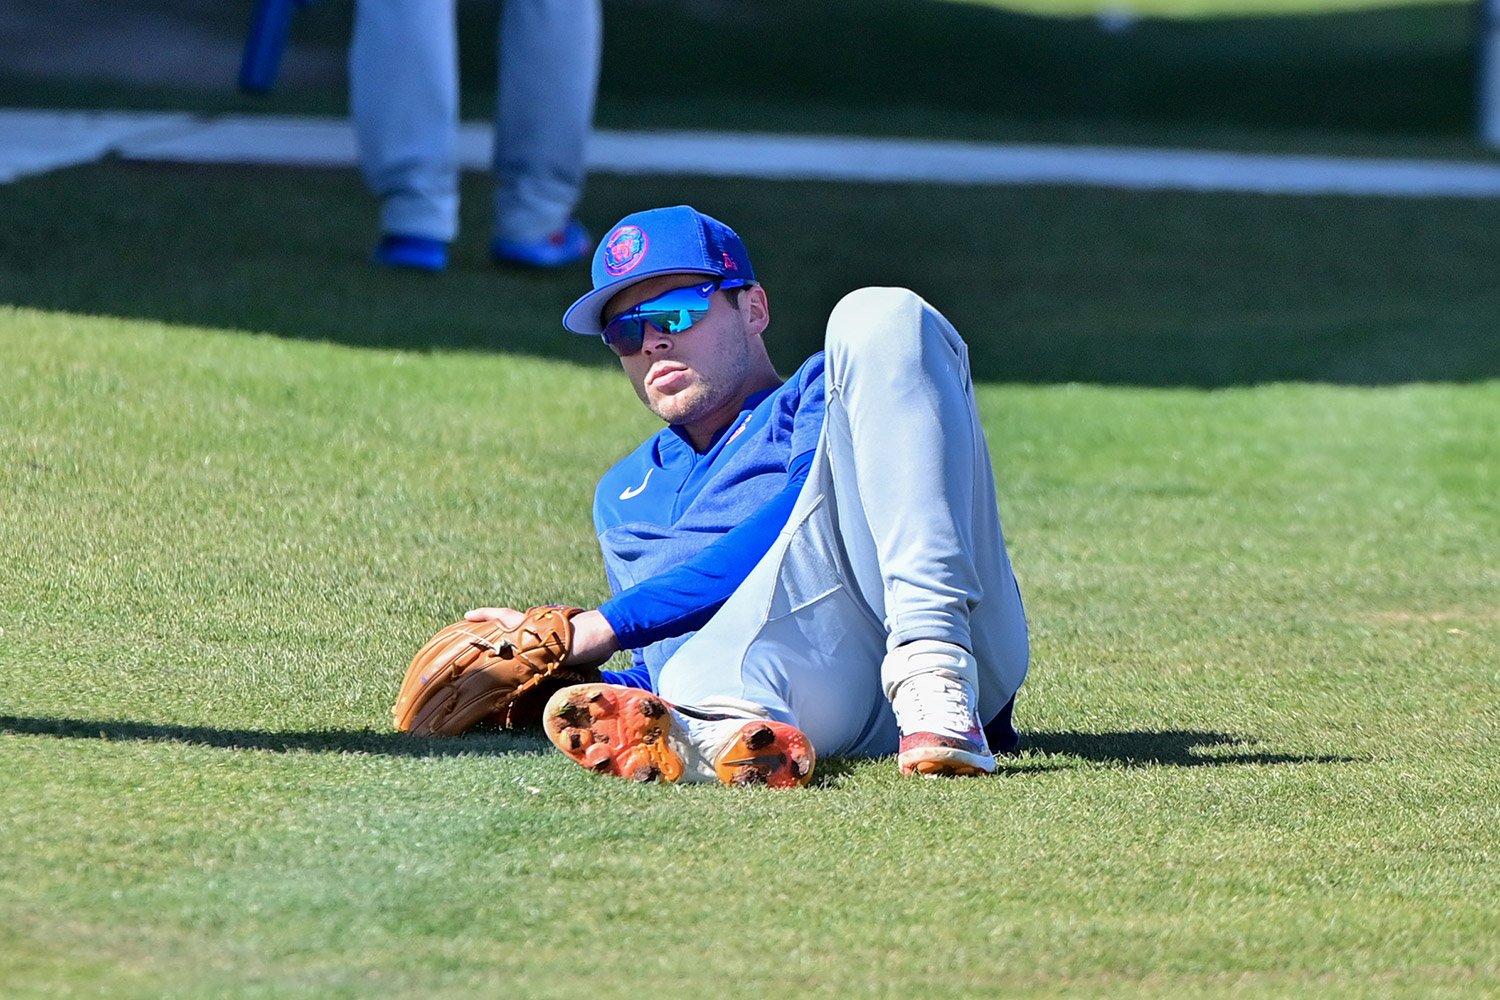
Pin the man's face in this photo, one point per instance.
(698, 377)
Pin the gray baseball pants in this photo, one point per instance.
(403, 96)
(895, 537)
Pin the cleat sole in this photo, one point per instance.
(624, 732)
(613, 730)
(766, 753)
(945, 762)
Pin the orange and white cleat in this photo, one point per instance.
(634, 734)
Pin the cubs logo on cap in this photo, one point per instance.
(676, 240)
(624, 249)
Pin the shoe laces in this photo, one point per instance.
(936, 703)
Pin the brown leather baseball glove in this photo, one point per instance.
(482, 672)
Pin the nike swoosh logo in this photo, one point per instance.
(771, 759)
(633, 492)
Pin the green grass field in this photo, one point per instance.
(1249, 454)
(1259, 557)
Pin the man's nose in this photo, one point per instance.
(656, 339)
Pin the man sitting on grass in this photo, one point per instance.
(804, 566)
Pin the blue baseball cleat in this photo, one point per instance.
(568, 245)
(412, 253)
(270, 24)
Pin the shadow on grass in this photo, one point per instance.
(1169, 748)
(1151, 289)
(1142, 748)
(1044, 752)
(348, 741)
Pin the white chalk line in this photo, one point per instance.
(33, 142)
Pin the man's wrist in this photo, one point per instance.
(594, 639)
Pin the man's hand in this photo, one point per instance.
(509, 617)
(594, 641)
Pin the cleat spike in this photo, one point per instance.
(745, 777)
(596, 758)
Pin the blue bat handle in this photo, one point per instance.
(270, 24)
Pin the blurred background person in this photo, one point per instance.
(403, 96)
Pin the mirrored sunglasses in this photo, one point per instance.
(670, 312)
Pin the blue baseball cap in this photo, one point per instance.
(677, 240)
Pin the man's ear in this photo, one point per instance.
(756, 307)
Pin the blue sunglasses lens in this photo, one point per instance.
(671, 312)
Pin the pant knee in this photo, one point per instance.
(892, 329)
(872, 314)
(875, 320)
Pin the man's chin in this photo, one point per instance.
(678, 408)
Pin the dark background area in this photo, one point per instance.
(1047, 284)
(872, 66)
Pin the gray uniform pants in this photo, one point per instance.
(895, 537)
(403, 96)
